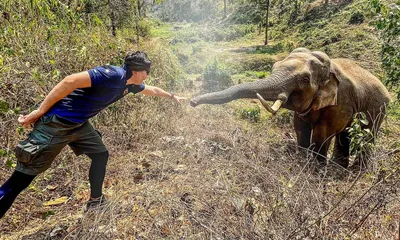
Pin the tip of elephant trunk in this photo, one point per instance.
(282, 98)
(193, 103)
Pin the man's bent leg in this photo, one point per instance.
(89, 142)
(97, 172)
(12, 188)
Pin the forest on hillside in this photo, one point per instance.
(226, 171)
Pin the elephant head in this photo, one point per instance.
(301, 82)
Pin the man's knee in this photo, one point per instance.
(99, 156)
(16, 183)
(2, 192)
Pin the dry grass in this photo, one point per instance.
(182, 173)
(177, 172)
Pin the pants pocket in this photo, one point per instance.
(31, 148)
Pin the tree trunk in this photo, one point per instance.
(137, 22)
(326, 2)
(138, 8)
(113, 24)
(266, 24)
(224, 8)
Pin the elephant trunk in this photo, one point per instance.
(275, 87)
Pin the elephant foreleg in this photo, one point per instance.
(321, 139)
(341, 151)
(303, 132)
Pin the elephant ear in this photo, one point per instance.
(328, 83)
(325, 64)
(327, 94)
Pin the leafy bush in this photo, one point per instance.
(192, 34)
(251, 113)
(144, 28)
(357, 17)
(394, 110)
(4, 106)
(388, 22)
(260, 74)
(215, 78)
(247, 12)
(283, 118)
(186, 10)
(166, 69)
(361, 139)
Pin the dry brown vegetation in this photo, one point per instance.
(182, 173)
(177, 172)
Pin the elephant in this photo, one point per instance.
(324, 94)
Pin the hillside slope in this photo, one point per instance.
(211, 172)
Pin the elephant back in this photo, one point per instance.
(369, 92)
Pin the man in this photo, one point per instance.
(62, 119)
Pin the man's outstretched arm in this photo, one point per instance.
(159, 92)
(61, 90)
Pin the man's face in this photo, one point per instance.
(140, 76)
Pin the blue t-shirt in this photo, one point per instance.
(108, 86)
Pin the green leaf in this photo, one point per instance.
(4, 106)
(47, 214)
(3, 153)
(10, 164)
(364, 121)
(17, 110)
(20, 130)
(96, 20)
(56, 74)
(35, 73)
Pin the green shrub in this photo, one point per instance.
(194, 33)
(282, 118)
(166, 68)
(357, 17)
(187, 10)
(215, 78)
(4, 106)
(251, 113)
(388, 23)
(260, 74)
(361, 140)
(393, 110)
(144, 28)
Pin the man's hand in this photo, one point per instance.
(29, 119)
(178, 99)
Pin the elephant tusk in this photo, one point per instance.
(275, 107)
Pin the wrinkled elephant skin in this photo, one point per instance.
(324, 93)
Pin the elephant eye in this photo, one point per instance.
(305, 82)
